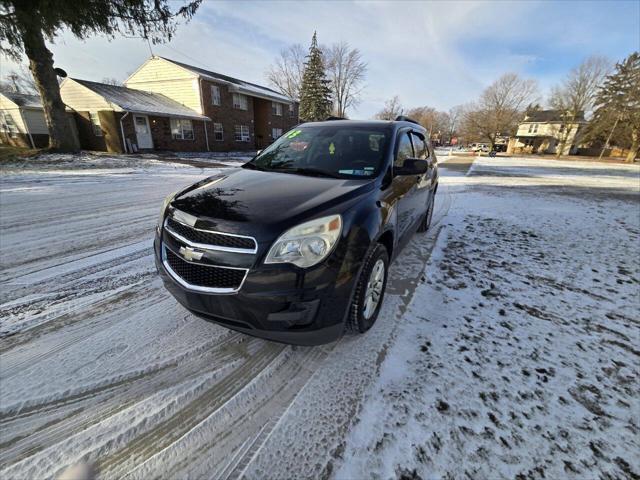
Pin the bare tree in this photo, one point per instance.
(455, 115)
(111, 81)
(576, 94)
(19, 81)
(346, 70)
(286, 73)
(392, 108)
(435, 122)
(499, 108)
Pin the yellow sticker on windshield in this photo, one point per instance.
(332, 148)
(294, 134)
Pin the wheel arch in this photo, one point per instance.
(386, 239)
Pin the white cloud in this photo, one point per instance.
(428, 53)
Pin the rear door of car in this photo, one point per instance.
(404, 186)
(423, 182)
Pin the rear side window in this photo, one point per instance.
(419, 145)
(405, 150)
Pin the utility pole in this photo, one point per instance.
(13, 77)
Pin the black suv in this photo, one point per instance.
(295, 245)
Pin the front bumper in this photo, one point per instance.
(282, 303)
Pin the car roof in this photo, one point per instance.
(365, 123)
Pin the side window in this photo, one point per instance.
(405, 150)
(420, 146)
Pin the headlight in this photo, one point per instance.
(307, 244)
(165, 204)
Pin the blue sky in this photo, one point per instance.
(428, 53)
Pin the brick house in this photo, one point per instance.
(119, 119)
(22, 121)
(542, 131)
(244, 115)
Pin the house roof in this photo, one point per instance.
(545, 116)
(139, 101)
(241, 86)
(24, 100)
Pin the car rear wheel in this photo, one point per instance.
(370, 290)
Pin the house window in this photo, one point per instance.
(218, 133)
(276, 108)
(292, 110)
(276, 133)
(241, 133)
(8, 125)
(95, 124)
(181, 129)
(240, 101)
(215, 95)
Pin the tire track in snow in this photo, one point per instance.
(74, 413)
(167, 432)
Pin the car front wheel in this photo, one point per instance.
(370, 289)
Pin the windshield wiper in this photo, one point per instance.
(253, 166)
(310, 171)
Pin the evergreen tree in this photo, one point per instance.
(618, 106)
(315, 92)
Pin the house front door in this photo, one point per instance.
(143, 132)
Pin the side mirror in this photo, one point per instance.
(412, 166)
(258, 152)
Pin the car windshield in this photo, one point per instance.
(328, 151)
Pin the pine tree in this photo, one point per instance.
(315, 93)
(618, 105)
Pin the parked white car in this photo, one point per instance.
(478, 147)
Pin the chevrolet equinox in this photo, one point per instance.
(295, 245)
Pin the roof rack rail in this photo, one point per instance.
(334, 118)
(402, 118)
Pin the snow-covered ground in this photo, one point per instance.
(507, 345)
(519, 355)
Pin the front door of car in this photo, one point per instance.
(404, 186)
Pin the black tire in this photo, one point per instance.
(357, 321)
(426, 219)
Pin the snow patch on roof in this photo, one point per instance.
(140, 101)
(542, 116)
(244, 87)
(24, 99)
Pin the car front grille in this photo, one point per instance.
(212, 239)
(204, 277)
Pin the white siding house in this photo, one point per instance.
(22, 120)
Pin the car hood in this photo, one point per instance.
(262, 204)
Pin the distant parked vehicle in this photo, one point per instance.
(478, 147)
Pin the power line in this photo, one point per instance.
(186, 56)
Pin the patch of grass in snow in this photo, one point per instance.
(10, 154)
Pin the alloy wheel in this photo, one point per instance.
(374, 289)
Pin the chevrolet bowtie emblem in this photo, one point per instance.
(190, 254)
